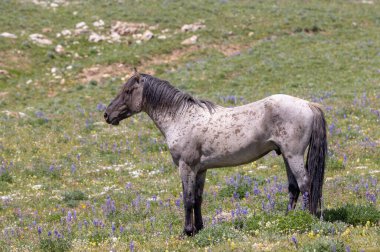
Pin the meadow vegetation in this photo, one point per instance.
(70, 182)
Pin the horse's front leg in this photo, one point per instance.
(200, 182)
(188, 176)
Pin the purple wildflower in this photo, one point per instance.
(73, 168)
(100, 107)
(178, 202)
(294, 240)
(305, 198)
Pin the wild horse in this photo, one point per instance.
(201, 135)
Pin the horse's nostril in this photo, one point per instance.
(105, 116)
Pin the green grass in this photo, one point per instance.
(112, 188)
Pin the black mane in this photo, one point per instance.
(160, 94)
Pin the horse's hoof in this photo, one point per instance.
(189, 230)
(198, 228)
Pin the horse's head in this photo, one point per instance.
(128, 102)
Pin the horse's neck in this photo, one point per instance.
(165, 122)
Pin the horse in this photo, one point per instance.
(201, 135)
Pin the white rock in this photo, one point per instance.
(8, 35)
(81, 25)
(100, 23)
(162, 37)
(94, 37)
(190, 41)
(124, 28)
(66, 33)
(137, 36)
(147, 35)
(192, 27)
(80, 28)
(21, 114)
(53, 70)
(59, 49)
(114, 37)
(40, 39)
(36, 187)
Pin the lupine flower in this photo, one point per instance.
(132, 246)
(73, 168)
(39, 230)
(305, 202)
(294, 240)
(178, 202)
(100, 107)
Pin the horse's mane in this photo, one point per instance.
(160, 94)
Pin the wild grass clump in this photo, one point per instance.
(216, 234)
(55, 244)
(324, 245)
(73, 198)
(6, 177)
(353, 214)
(294, 221)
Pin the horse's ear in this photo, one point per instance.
(136, 74)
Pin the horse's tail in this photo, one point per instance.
(316, 157)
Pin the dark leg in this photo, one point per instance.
(200, 182)
(294, 191)
(188, 185)
(297, 167)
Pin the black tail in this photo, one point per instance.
(316, 157)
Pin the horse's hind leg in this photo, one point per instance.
(294, 191)
(200, 182)
(295, 165)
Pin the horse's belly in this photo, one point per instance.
(233, 155)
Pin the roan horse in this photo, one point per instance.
(201, 135)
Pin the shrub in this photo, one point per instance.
(56, 245)
(6, 177)
(352, 214)
(296, 221)
(72, 198)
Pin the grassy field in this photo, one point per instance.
(70, 182)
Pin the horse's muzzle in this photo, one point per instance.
(114, 121)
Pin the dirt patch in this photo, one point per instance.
(230, 49)
(14, 60)
(100, 73)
